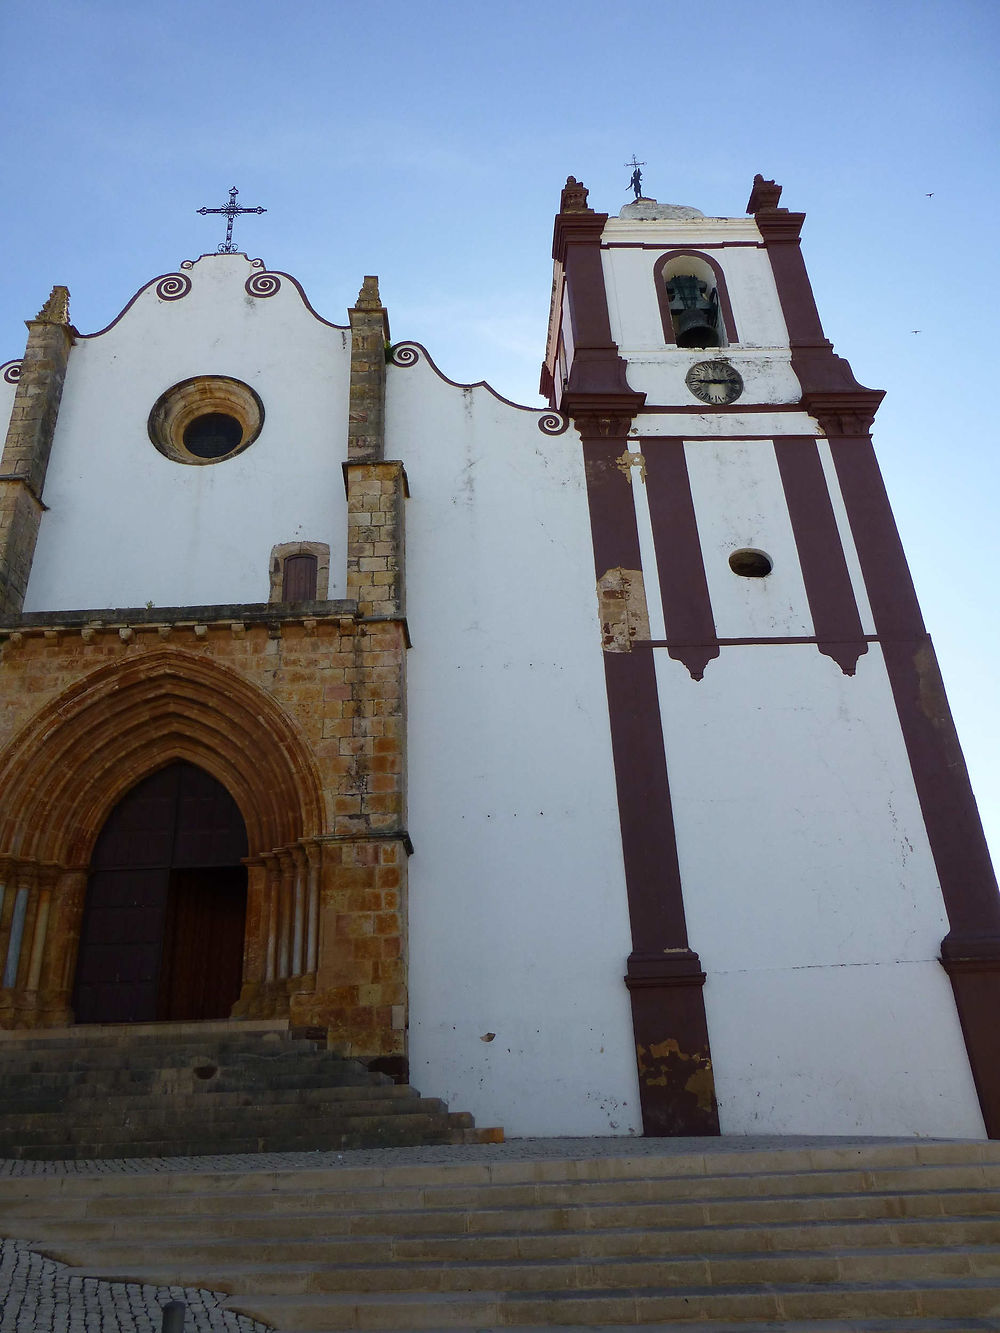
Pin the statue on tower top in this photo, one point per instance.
(635, 184)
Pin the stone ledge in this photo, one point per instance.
(250, 613)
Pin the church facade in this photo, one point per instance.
(590, 764)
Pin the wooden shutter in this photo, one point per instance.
(298, 582)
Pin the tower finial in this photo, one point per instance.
(368, 297)
(765, 194)
(56, 308)
(574, 197)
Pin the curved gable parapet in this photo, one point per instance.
(259, 283)
(404, 354)
(267, 282)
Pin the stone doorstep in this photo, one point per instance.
(162, 1082)
(785, 1326)
(438, 1310)
(271, 1275)
(307, 1244)
(200, 1099)
(260, 1128)
(682, 1171)
(238, 1108)
(224, 1218)
(247, 1110)
(709, 1191)
(312, 1209)
(124, 1033)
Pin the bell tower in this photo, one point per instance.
(815, 919)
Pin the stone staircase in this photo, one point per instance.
(885, 1236)
(178, 1089)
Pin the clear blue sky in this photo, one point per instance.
(427, 142)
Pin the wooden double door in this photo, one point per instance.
(165, 912)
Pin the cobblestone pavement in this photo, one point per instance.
(40, 1296)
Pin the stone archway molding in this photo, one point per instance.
(69, 766)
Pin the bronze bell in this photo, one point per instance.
(694, 311)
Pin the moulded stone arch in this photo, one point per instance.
(67, 769)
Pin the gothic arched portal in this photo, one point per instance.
(165, 911)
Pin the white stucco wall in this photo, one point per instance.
(812, 899)
(518, 916)
(632, 251)
(739, 502)
(809, 887)
(125, 525)
(767, 377)
(657, 369)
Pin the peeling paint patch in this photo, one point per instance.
(621, 599)
(664, 1065)
(627, 461)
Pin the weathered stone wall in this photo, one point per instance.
(25, 455)
(93, 703)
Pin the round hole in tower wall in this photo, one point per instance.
(206, 419)
(751, 564)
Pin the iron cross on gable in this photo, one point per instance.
(231, 210)
(636, 182)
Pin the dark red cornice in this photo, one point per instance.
(598, 391)
(576, 228)
(843, 411)
(778, 225)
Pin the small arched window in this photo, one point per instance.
(694, 303)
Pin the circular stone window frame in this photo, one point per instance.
(185, 402)
(748, 563)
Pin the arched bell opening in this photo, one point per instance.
(695, 308)
(694, 311)
(164, 920)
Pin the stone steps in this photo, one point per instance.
(307, 1244)
(903, 1305)
(285, 1276)
(889, 1237)
(166, 1109)
(189, 1089)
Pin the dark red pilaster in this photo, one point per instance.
(832, 603)
(664, 975)
(687, 606)
(970, 952)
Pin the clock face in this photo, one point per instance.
(714, 382)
